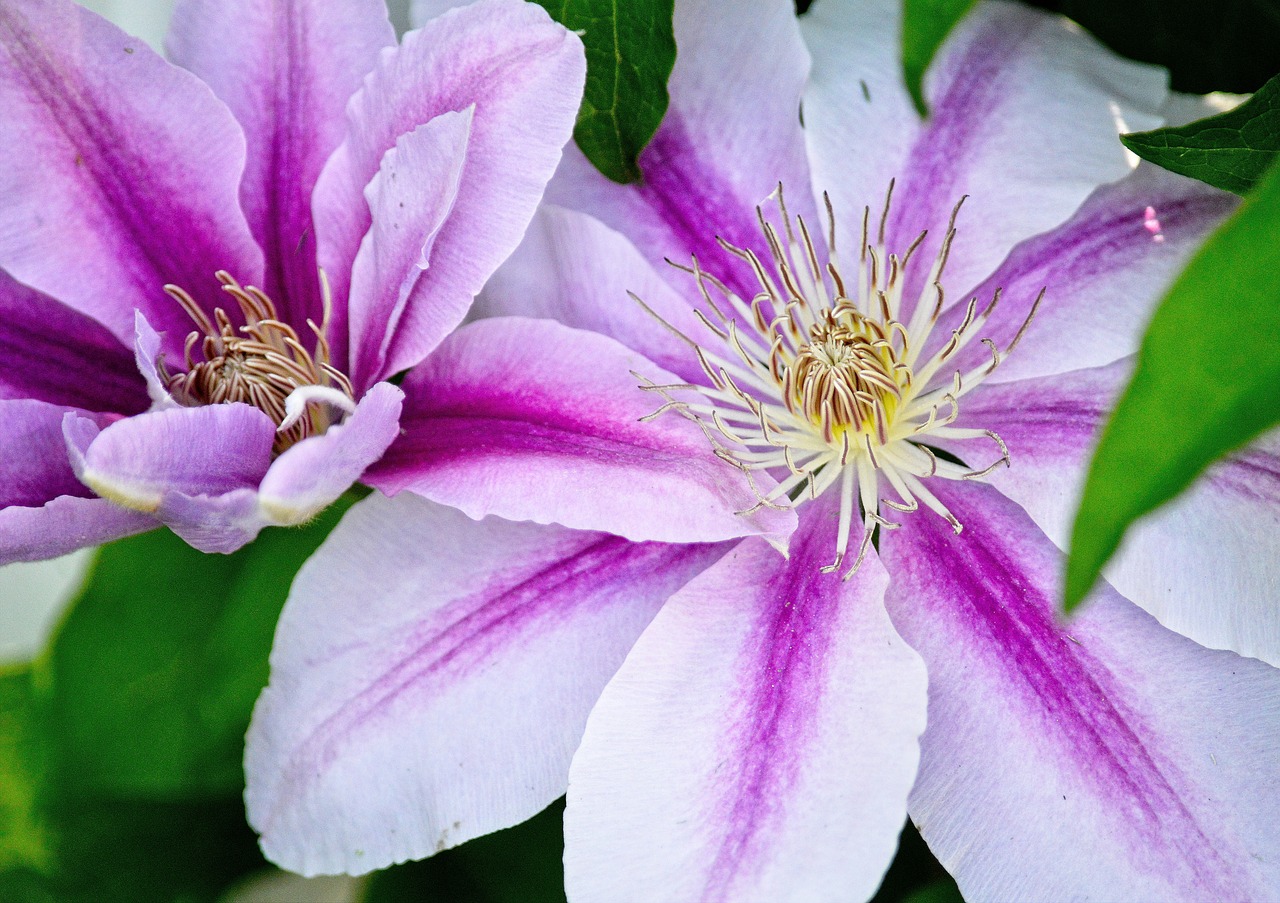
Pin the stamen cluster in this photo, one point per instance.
(824, 381)
(261, 363)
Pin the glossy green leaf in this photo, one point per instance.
(631, 48)
(1231, 151)
(1205, 383)
(157, 666)
(925, 25)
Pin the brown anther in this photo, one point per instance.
(260, 363)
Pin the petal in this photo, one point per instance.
(218, 522)
(1106, 758)
(63, 525)
(574, 269)
(51, 352)
(125, 164)
(1025, 113)
(286, 70)
(757, 744)
(410, 198)
(1207, 565)
(194, 451)
(43, 512)
(531, 420)
(423, 11)
(414, 706)
(524, 75)
(147, 357)
(1123, 247)
(859, 120)
(309, 476)
(34, 466)
(731, 134)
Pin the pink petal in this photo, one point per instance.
(125, 165)
(411, 199)
(730, 135)
(193, 451)
(1104, 758)
(1206, 565)
(63, 525)
(313, 473)
(859, 120)
(574, 269)
(524, 75)
(431, 677)
(1025, 113)
(531, 420)
(757, 744)
(43, 511)
(286, 70)
(34, 466)
(50, 352)
(1107, 250)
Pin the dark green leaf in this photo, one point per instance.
(59, 846)
(925, 25)
(630, 48)
(941, 891)
(156, 669)
(518, 865)
(1226, 45)
(1231, 151)
(1205, 383)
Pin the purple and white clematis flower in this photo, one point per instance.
(736, 724)
(208, 270)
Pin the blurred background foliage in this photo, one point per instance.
(120, 744)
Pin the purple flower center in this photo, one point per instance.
(262, 363)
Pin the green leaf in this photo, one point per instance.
(59, 846)
(518, 865)
(1231, 151)
(925, 25)
(1205, 383)
(943, 890)
(1226, 45)
(25, 841)
(154, 673)
(631, 48)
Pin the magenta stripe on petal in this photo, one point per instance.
(1086, 709)
(778, 699)
(759, 742)
(532, 420)
(457, 680)
(1087, 746)
(286, 70)
(52, 353)
(691, 199)
(500, 612)
(124, 162)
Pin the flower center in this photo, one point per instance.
(823, 382)
(846, 377)
(262, 363)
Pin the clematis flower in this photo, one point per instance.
(207, 273)
(919, 380)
